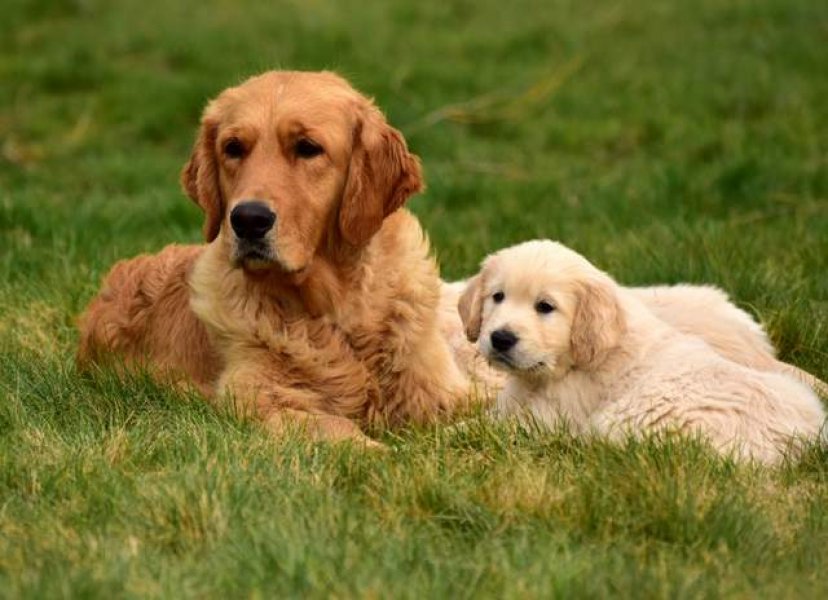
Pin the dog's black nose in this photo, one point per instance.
(251, 220)
(503, 340)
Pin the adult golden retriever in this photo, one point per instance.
(316, 299)
(577, 347)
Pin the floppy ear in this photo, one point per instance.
(382, 175)
(597, 325)
(470, 307)
(199, 178)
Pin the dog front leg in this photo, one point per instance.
(430, 387)
(319, 427)
(325, 399)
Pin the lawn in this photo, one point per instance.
(666, 141)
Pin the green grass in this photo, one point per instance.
(667, 141)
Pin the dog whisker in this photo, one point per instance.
(498, 358)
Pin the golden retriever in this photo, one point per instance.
(577, 347)
(316, 300)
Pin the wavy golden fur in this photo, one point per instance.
(332, 318)
(142, 319)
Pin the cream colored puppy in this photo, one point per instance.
(578, 347)
(702, 310)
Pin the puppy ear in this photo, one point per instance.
(470, 307)
(382, 175)
(597, 325)
(200, 181)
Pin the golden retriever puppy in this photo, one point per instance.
(577, 347)
(702, 310)
(316, 299)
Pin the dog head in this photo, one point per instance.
(540, 309)
(289, 164)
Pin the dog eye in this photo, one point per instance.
(498, 297)
(544, 307)
(306, 148)
(233, 148)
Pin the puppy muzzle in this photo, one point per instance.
(503, 340)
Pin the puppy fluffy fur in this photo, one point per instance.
(331, 318)
(590, 352)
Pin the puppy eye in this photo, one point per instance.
(498, 297)
(306, 148)
(544, 307)
(233, 148)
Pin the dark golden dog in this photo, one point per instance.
(316, 299)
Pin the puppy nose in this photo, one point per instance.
(251, 220)
(503, 340)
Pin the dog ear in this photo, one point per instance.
(382, 175)
(597, 325)
(200, 181)
(470, 307)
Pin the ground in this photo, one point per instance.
(666, 141)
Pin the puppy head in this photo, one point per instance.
(539, 310)
(289, 164)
